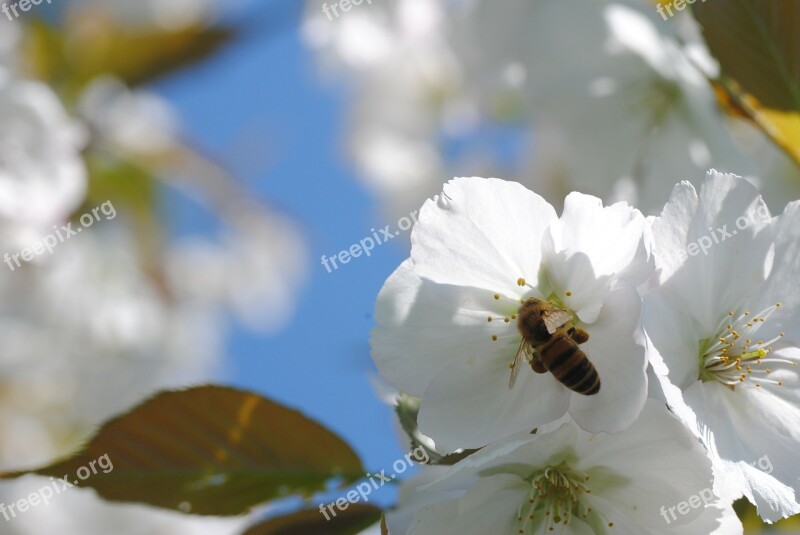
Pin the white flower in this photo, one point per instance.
(725, 332)
(135, 122)
(87, 333)
(82, 511)
(256, 268)
(447, 317)
(396, 52)
(42, 176)
(627, 91)
(631, 102)
(568, 481)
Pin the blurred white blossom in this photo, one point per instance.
(120, 311)
(134, 122)
(81, 511)
(10, 37)
(87, 334)
(255, 268)
(618, 106)
(42, 174)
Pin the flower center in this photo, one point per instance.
(736, 354)
(556, 497)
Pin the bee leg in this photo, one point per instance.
(537, 365)
(578, 335)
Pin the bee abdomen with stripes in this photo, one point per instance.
(562, 357)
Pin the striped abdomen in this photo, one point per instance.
(564, 359)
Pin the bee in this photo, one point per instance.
(551, 346)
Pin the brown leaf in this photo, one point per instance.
(210, 450)
(757, 45)
(356, 518)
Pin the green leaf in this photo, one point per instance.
(356, 518)
(91, 46)
(753, 524)
(210, 450)
(756, 44)
(139, 57)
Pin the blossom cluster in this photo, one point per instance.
(105, 320)
(628, 92)
(692, 359)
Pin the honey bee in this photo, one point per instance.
(551, 346)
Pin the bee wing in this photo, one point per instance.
(517, 364)
(555, 319)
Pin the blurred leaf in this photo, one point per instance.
(93, 46)
(210, 450)
(753, 524)
(133, 191)
(131, 186)
(139, 57)
(44, 53)
(356, 518)
(756, 44)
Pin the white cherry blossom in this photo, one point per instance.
(725, 334)
(628, 92)
(447, 317)
(42, 175)
(568, 481)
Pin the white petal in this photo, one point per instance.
(747, 427)
(673, 469)
(469, 405)
(480, 232)
(720, 519)
(707, 262)
(515, 454)
(781, 285)
(674, 337)
(621, 363)
(612, 238)
(423, 327)
(490, 506)
(411, 499)
(572, 279)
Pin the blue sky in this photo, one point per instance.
(269, 84)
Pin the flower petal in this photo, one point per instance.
(621, 363)
(423, 327)
(681, 471)
(490, 506)
(755, 435)
(469, 404)
(712, 249)
(483, 233)
(781, 285)
(611, 237)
